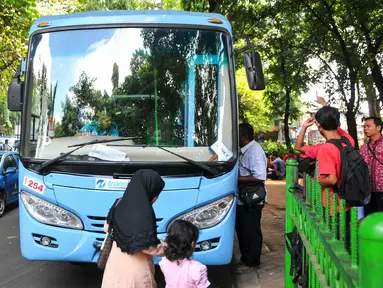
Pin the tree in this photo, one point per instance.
(88, 98)
(16, 17)
(332, 41)
(200, 6)
(90, 5)
(6, 125)
(286, 62)
(70, 123)
(58, 7)
(367, 18)
(370, 91)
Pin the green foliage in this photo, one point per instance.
(90, 5)
(252, 107)
(57, 7)
(70, 123)
(271, 147)
(16, 17)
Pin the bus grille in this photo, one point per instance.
(96, 223)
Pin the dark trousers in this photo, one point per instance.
(375, 205)
(248, 228)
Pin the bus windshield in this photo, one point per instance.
(165, 87)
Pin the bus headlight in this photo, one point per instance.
(209, 215)
(48, 213)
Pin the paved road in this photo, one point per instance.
(15, 271)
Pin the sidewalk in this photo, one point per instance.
(270, 274)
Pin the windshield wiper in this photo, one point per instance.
(79, 146)
(211, 170)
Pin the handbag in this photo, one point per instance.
(252, 194)
(107, 244)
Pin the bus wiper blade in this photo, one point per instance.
(201, 165)
(207, 168)
(79, 146)
(103, 141)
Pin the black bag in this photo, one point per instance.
(354, 185)
(252, 194)
(295, 247)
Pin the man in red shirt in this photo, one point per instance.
(327, 155)
(372, 153)
(313, 150)
(327, 120)
(329, 162)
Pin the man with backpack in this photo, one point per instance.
(372, 153)
(340, 165)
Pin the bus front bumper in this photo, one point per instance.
(83, 246)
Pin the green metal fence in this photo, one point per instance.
(329, 263)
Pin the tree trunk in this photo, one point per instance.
(351, 123)
(286, 119)
(373, 63)
(372, 98)
(214, 5)
(378, 77)
(350, 115)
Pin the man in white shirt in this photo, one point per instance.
(252, 169)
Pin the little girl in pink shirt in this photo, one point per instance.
(178, 269)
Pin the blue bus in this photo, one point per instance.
(103, 94)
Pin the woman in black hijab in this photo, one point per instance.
(130, 263)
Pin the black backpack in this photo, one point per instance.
(295, 247)
(354, 184)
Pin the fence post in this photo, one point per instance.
(291, 178)
(371, 251)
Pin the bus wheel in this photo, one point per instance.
(2, 204)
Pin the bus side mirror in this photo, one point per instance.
(15, 92)
(254, 71)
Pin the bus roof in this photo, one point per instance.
(131, 17)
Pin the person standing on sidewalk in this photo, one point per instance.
(372, 153)
(252, 170)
